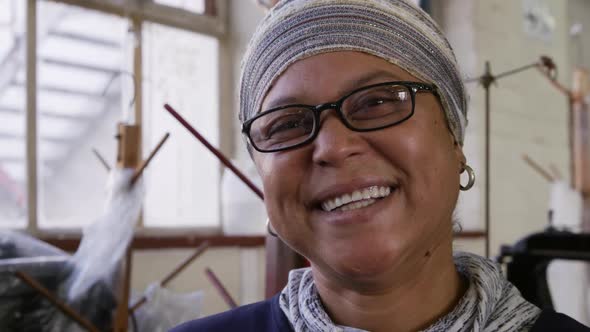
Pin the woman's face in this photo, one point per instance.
(417, 161)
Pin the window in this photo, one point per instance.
(85, 87)
(13, 161)
(180, 68)
(195, 6)
(79, 60)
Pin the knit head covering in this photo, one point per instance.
(394, 30)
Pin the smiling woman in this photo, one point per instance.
(355, 114)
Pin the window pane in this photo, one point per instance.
(195, 6)
(80, 54)
(180, 68)
(13, 161)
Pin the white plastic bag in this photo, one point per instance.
(165, 309)
(105, 241)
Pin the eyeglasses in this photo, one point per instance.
(368, 108)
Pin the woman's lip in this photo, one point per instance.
(356, 216)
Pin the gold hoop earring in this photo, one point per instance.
(471, 175)
(269, 228)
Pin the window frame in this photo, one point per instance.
(138, 12)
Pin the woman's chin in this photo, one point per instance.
(365, 267)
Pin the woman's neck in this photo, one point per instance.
(421, 294)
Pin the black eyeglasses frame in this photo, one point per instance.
(413, 87)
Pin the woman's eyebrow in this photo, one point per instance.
(283, 101)
(370, 77)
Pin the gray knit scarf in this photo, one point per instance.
(490, 303)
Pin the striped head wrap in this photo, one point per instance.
(394, 30)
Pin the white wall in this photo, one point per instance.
(579, 50)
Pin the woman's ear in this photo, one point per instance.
(458, 149)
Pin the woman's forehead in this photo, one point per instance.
(335, 74)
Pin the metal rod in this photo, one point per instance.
(146, 162)
(517, 70)
(213, 150)
(101, 159)
(220, 288)
(487, 80)
(506, 73)
(64, 308)
(200, 250)
(570, 141)
(31, 118)
(535, 166)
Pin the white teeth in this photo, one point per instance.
(357, 205)
(366, 194)
(357, 199)
(346, 199)
(374, 191)
(357, 196)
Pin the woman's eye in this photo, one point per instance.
(289, 126)
(284, 125)
(379, 101)
(374, 104)
(386, 97)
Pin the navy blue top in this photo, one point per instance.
(267, 316)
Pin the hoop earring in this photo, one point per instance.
(269, 228)
(471, 175)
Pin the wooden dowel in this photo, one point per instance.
(213, 150)
(281, 267)
(554, 82)
(200, 250)
(555, 171)
(101, 159)
(222, 290)
(67, 310)
(146, 162)
(540, 170)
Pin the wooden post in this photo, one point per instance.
(124, 291)
(210, 8)
(581, 140)
(127, 157)
(127, 151)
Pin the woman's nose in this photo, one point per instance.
(336, 143)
